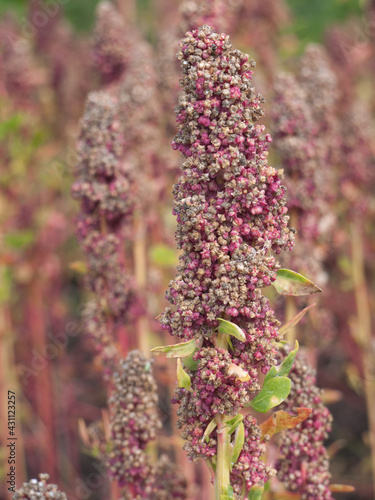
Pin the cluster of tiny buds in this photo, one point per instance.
(229, 202)
(231, 214)
(249, 468)
(303, 465)
(103, 177)
(112, 42)
(134, 422)
(169, 481)
(38, 490)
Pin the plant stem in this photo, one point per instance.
(363, 335)
(222, 477)
(290, 312)
(140, 265)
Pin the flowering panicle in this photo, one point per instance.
(169, 481)
(303, 465)
(357, 159)
(250, 469)
(112, 43)
(19, 74)
(216, 13)
(231, 213)
(133, 423)
(104, 186)
(305, 135)
(38, 490)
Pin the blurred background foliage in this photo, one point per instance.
(310, 18)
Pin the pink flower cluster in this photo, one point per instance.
(303, 465)
(231, 213)
(104, 188)
(134, 423)
(249, 468)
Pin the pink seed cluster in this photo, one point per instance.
(134, 423)
(231, 213)
(303, 465)
(249, 468)
(104, 189)
(39, 489)
(112, 46)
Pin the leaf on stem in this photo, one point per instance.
(256, 492)
(210, 427)
(178, 350)
(227, 493)
(233, 423)
(190, 363)
(183, 379)
(236, 447)
(229, 328)
(276, 385)
(294, 321)
(282, 420)
(284, 368)
(291, 283)
(273, 392)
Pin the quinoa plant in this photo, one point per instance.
(117, 134)
(231, 217)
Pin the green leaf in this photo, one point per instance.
(256, 492)
(227, 493)
(284, 368)
(233, 423)
(294, 321)
(20, 239)
(183, 379)
(230, 343)
(190, 363)
(273, 392)
(163, 256)
(178, 350)
(210, 427)
(291, 283)
(229, 328)
(236, 447)
(10, 126)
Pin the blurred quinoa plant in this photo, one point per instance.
(231, 215)
(303, 465)
(109, 188)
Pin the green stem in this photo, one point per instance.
(222, 477)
